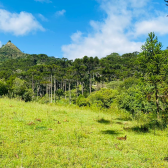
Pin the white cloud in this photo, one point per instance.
(43, 18)
(76, 37)
(158, 25)
(47, 1)
(18, 24)
(126, 21)
(60, 13)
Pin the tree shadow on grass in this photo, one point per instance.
(110, 132)
(145, 128)
(124, 119)
(41, 128)
(103, 121)
(138, 129)
(119, 123)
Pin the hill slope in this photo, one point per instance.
(10, 51)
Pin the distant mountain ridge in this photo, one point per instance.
(10, 51)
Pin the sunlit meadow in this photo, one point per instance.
(36, 135)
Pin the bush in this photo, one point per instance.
(114, 84)
(44, 99)
(135, 100)
(28, 95)
(19, 87)
(102, 98)
(59, 93)
(129, 82)
(3, 88)
(82, 101)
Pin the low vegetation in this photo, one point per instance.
(48, 135)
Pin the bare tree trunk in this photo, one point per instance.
(43, 90)
(32, 84)
(54, 88)
(49, 92)
(69, 92)
(61, 84)
(96, 81)
(37, 92)
(40, 90)
(46, 90)
(56, 85)
(90, 84)
(51, 87)
(65, 89)
(77, 88)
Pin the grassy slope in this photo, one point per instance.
(81, 142)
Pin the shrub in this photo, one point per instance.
(129, 82)
(82, 101)
(114, 84)
(59, 93)
(19, 87)
(3, 88)
(27, 96)
(135, 100)
(44, 99)
(103, 98)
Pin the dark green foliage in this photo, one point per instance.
(116, 67)
(28, 95)
(135, 99)
(19, 87)
(59, 93)
(3, 88)
(153, 67)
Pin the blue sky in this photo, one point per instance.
(73, 29)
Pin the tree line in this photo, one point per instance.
(46, 75)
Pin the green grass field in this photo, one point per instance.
(30, 136)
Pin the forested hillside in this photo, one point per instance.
(10, 51)
(38, 71)
(137, 82)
